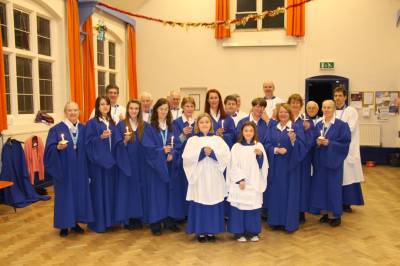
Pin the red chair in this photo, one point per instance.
(6, 184)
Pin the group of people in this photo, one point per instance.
(220, 171)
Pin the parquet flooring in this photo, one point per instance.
(368, 236)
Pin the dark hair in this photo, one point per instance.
(231, 98)
(154, 115)
(259, 101)
(251, 124)
(296, 97)
(340, 89)
(97, 112)
(221, 109)
(140, 122)
(112, 86)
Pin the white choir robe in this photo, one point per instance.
(116, 111)
(238, 116)
(352, 168)
(271, 104)
(245, 210)
(207, 188)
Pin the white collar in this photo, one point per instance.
(70, 125)
(215, 116)
(331, 122)
(251, 118)
(106, 122)
(282, 128)
(299, 116)
(134, 124)
(163, 125)
(185, 119)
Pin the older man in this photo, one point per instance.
(312, 112)
(272, 100)
(174, 100)
(146, 102)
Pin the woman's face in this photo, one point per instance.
(283, 115)
(213, 100)
(248, 133)
(204, 125)
(188, 109)
(104, 107)
(133, 110)
(295, 106)
(162, 111)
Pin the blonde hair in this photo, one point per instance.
(188, 99)
(201, 116)
(286, 106)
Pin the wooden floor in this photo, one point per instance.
(368, 236)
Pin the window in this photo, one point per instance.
(3, 24)
(106, 68)
(248, 7)
(100, 53)
(21, 27)
(7, 81)
(24, 85)
(112, 78)
(111, 55)
(45, 87)
(101, 83)
(43, 35)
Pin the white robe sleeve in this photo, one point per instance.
(263, 180)
(222, 152)
(234, 172)
(190, 158)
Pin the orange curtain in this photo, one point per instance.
(89, 92)
(75, 62)
(295, 23)
(132, 78)
(222, 13)
(3, 104)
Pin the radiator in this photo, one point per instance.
(370, 134)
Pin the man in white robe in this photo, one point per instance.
(272, 101)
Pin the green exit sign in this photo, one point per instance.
(327, 65)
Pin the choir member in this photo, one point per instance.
(223, 124)
(65, 161)
(312, 112)
(117, 111)
(106, 157)
(146, 101)
(129, 208)
(247, 180)
(333, 143)
(239, 113)
(205, 159)
(272, 100)
(353, 174)
(258, 106)
(174, 99)
(161, 148)
(230, 103)
(285, 150)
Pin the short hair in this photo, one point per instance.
(285, 106)
(145, 94)
(331, 102)
(259, 101)
(112, 86)
(312, 103)
(231, 98)
(69, 104)
(340, 89)
(296, 97)
(236, 95)
(172, 92)
(188, 99)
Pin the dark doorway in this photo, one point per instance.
(320, 88)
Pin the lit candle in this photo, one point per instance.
(62, 137)
(127, 131)
(172, 141)
(322, 135)
(190, 122)
(222, 124)
(290, 129)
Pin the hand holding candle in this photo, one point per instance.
(63, 141)
(127, 131)
(257, 151)
(172, 142)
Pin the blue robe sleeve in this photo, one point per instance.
(97, 149)
(52, 162)
(260, 160)
(120, 151)
(229, 131)
(299, 149)
(154, 154)
(203, 155)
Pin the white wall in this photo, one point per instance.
(359, 35)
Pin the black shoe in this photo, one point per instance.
(64, 232)
(137, 224)
(335, 222)
(211, 238)
(129, 227)
(264, 214)
(201, 238)
(174, 228)
(170, 224)
(302, 218)
(277, 227)
(78, 229)
(324, 219)
(347, 208)
(156, 229)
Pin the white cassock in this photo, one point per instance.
(206, 177)
(176, 113)
(116, 111)
(146, 116)
(238, 116)
(271, 104)
(352, 170)
(244, 166)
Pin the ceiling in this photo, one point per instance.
(128, 5)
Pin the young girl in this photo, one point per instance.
(160, 152)
(204, 160)
(129, 209)
(223, 124)
(285, 151)
(247, 181)
(105, 152)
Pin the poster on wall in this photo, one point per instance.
(356, 99)
(385, 102)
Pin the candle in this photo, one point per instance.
(127, 131)
(322, 135)
(62, 137)
(172, 142)
(190, 122)
(222, 124)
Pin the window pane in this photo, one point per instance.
(24, 85)
(45, 87)
(246, 5)
(112, 79)
(101, 83)
(100, 53)
(44, 70)
(46, 104)
(251, 24)
(273, 22)
(111, 55)
(7, 81)
(25, 104)
(43, 27)
(3, 22)
(21, 25)
(111, 62)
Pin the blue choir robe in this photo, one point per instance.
(68, 167)
(261, 128)
(283, 191)
(14, 169)
(160, 178)
(326, 190)
(106, 157)
(128, 200)
(229, 129)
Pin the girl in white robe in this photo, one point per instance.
(205, 159)
(247, 180)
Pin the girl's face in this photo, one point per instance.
(104, 107)
(295, 106)
(283, 115)
(188, 109)
(248, 133)
(72, 112)
(133, 110)
(162, 111)
(213, 100)
(204, 125)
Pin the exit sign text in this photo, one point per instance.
(327, 65)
